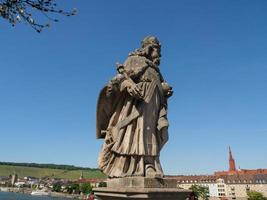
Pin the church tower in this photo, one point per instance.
(231, 161)
(81, 177)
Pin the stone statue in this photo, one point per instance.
(132, 115)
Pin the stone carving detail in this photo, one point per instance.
(132, 115)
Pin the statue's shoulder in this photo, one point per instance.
(136, 61)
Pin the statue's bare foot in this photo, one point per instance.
(152, 173)
(159, 176)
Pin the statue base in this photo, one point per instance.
(141, 188)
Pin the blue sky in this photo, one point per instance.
(213, 54)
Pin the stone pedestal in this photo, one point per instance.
(141, 188)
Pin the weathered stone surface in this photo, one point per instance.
(141, 193)
(141, 188)
(141, 182)
(132, 120)
(132, 115)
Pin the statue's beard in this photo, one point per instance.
(155, 56)
(156, 61)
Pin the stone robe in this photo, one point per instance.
(134, 130)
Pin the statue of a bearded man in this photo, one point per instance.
(132, 115)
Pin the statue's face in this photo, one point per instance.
(155, 55)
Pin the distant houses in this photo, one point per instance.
(49, 184)
(231, 184)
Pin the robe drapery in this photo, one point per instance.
(134, 130)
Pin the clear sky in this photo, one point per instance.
(214, 54)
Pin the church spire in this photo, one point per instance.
(81, 177)
(231, 161)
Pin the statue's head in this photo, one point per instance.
(150, 41)
(150, 48)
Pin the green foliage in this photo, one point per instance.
(253, 195)
(35, 187)
(49, 166)
(57, 187)
(102, 184)
(6, 170)
(86, 188)
(200, 191)
(69, 189)
(74, 188)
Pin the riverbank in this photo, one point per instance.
(69, 196)
(51, 194)
(16, 190)
(20, 196)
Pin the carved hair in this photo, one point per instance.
(147, 46)
(142, 52)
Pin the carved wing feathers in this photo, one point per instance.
(105, 109)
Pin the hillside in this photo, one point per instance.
(6, 170)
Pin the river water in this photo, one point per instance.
(19, 196)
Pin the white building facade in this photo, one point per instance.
(227, 187)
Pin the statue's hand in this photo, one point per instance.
(135, 91)
(110, 88)
(167, 89)
(169, 93)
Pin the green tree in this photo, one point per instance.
(102, 184)
(200, 191)
(253, 195)
(56, 187)
(74, 188)
(86, 188)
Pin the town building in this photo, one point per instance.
(233, 171)
(4, 181)
(93, 181)
(231, 184)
